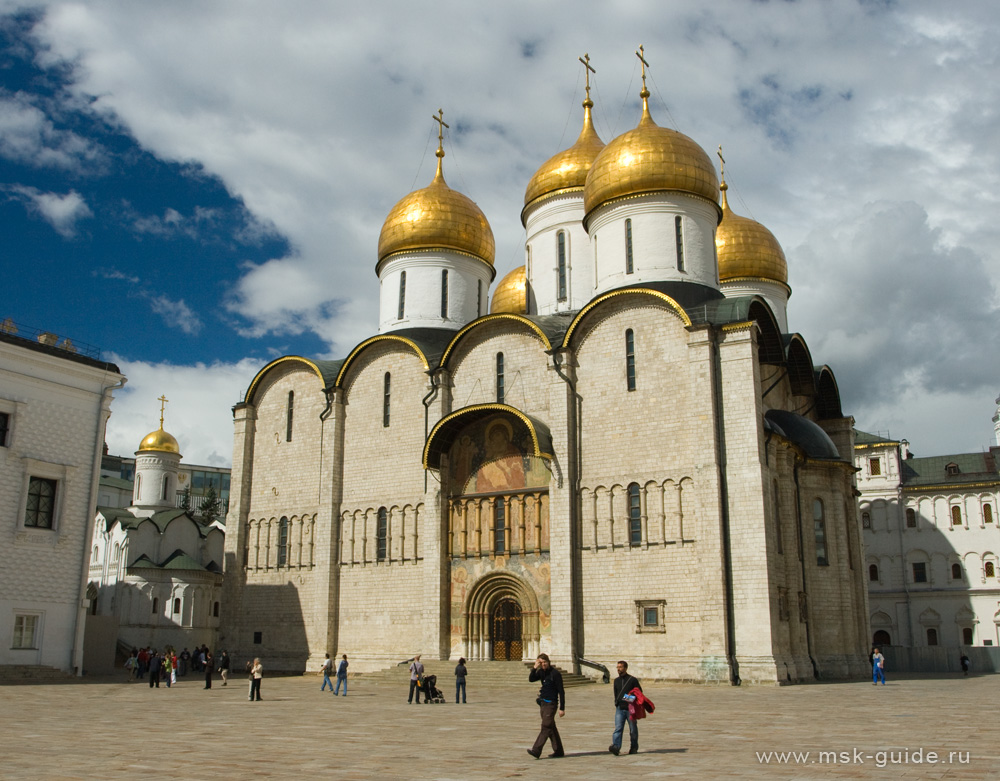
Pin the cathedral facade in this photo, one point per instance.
(622, 453)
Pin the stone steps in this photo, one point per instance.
(484, 674)
(33, 673)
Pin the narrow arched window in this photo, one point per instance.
(679, 234)
(289, 412)
(527, 262)
(819, 528)
(156, 605)
(628, 247)
(499, 525)
(95, 558)
(956, 516)
(911, 518)
(990, 570)
(956, 571)
(966, 636)
(402, 295)
(283, 541)
(381, 533)
(386, 392)
(444, 293)
(177, 606)
(866, 520)
(630, 360)
(634, 516)
(215, 610)
(932, 636)
(479, 297)
(987, 513)
(246, 545)
(500, 379)
(777, 518)
(138, 488)
(163, 490)
(561, 268)
(873, 573)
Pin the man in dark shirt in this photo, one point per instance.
(550, 696)
(624, 684)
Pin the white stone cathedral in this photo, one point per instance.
(628, 456)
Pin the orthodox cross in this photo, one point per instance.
(723, 160)
(163, 400)
(642, 59)
(441, 126)
(585, 59)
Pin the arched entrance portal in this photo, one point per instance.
(500, 620)
(507, 642)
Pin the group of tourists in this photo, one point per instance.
(167, 665)
(630, 706)
(327, 668)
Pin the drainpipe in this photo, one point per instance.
(727, 554)
(426, 401)
(802, 563)
(573, 474)
(76, 661)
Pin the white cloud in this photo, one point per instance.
(176, 314)
(199, 412)
(28, 135)
(319, 118)
(61, 211)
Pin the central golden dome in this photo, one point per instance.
(649, 158)
(747, 249)
(160, 441)
(511, 295)
(567, 170)
(437, 217)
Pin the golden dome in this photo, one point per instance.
(511, 295)
(567, 170)
(747, 249)
(649, 158)
(160, 441)
(437, 217)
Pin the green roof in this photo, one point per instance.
(117, 482)
(866, 439)
(933, 470)
(180, 560)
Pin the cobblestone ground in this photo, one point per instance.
(102, 728)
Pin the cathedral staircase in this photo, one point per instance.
(33, 673)
(485, 675)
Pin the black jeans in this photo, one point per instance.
(413, 686)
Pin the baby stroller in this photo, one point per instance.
(431, 692)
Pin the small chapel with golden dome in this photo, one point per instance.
(623, 452)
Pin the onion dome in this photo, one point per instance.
(567, 170)
(746, 248)
(511, 294)
(437, 217)
(647, 159)
(160, 441)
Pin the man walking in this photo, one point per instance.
(341, 676)
(550, 696)
(878, 667)
(326, 669)
(624, 684)
(416, 679)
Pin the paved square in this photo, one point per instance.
(102, 728)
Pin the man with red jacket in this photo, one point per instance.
(624, 684)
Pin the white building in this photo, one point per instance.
(629, 456)
(155, 571)
(931, 546)
(54, 405)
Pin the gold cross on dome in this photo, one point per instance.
(723, 160)
(585, 59)
(163, 400)
(641, 55)
(441, 126)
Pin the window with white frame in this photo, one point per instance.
(25, 631)
(4, 429)
(40, 509)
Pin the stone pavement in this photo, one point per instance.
(102, 728)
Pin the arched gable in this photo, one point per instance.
(828, 394)
(770, 348)
(443, 434)
(800, 366)
(379, 340)
(596, 304)
(282, 364)
(487, 320)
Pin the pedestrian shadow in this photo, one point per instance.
(570, 754)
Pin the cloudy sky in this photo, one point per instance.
(197, 187)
